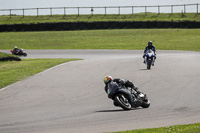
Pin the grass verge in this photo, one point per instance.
(191, 128)
(17, 19)
(7, 55)
(164, 39)
(13, 71)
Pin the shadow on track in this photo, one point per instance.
(114, 110)
(145, 69)
(117, 110)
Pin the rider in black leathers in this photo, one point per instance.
(150, 46)
(16, 50)
(121, 83)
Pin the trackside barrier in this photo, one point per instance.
(10, 58)
(181, 8)
(64, 26)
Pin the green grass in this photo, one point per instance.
(163, 39)
(191, 128)
(6, 55)
(13, 71)
(16, 19)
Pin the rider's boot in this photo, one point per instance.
(135, 103)
(144, 58)
(153, 61)
(144, 61)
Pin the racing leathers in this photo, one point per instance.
(127, 84)
(153, 48)
(16, 50)
(150, 47)
(121, 84)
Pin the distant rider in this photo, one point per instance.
(150, 46)
(122, 83)
(16, 50)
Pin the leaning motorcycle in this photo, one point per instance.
(20, 52)
(149, 58)
(127, 98)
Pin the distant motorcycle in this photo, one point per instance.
(125, 98)
(149, 58)
(20, 52)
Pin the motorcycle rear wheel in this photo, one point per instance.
(145, 104)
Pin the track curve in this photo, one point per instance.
(70, 97)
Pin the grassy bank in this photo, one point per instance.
(6, 55)
(15, 19)
(12, 71)
(191, 128)
(164, 39)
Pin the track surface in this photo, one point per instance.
(71, 98)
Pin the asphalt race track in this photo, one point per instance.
(70, 98)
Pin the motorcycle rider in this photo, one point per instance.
(121, 83)
(152, 47)
(16, 50)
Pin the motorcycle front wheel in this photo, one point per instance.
(149, 64)
(25, 54)
(122, 101)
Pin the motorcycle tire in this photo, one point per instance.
(145, 104)
(25, 54)
(148, 65)
(123, 101)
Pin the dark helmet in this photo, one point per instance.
(107, 79)
(150, 43)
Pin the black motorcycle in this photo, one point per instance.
(20, 52)
(128, 98)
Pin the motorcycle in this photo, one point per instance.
(20, 52)
(149, 58)
(128, 98)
